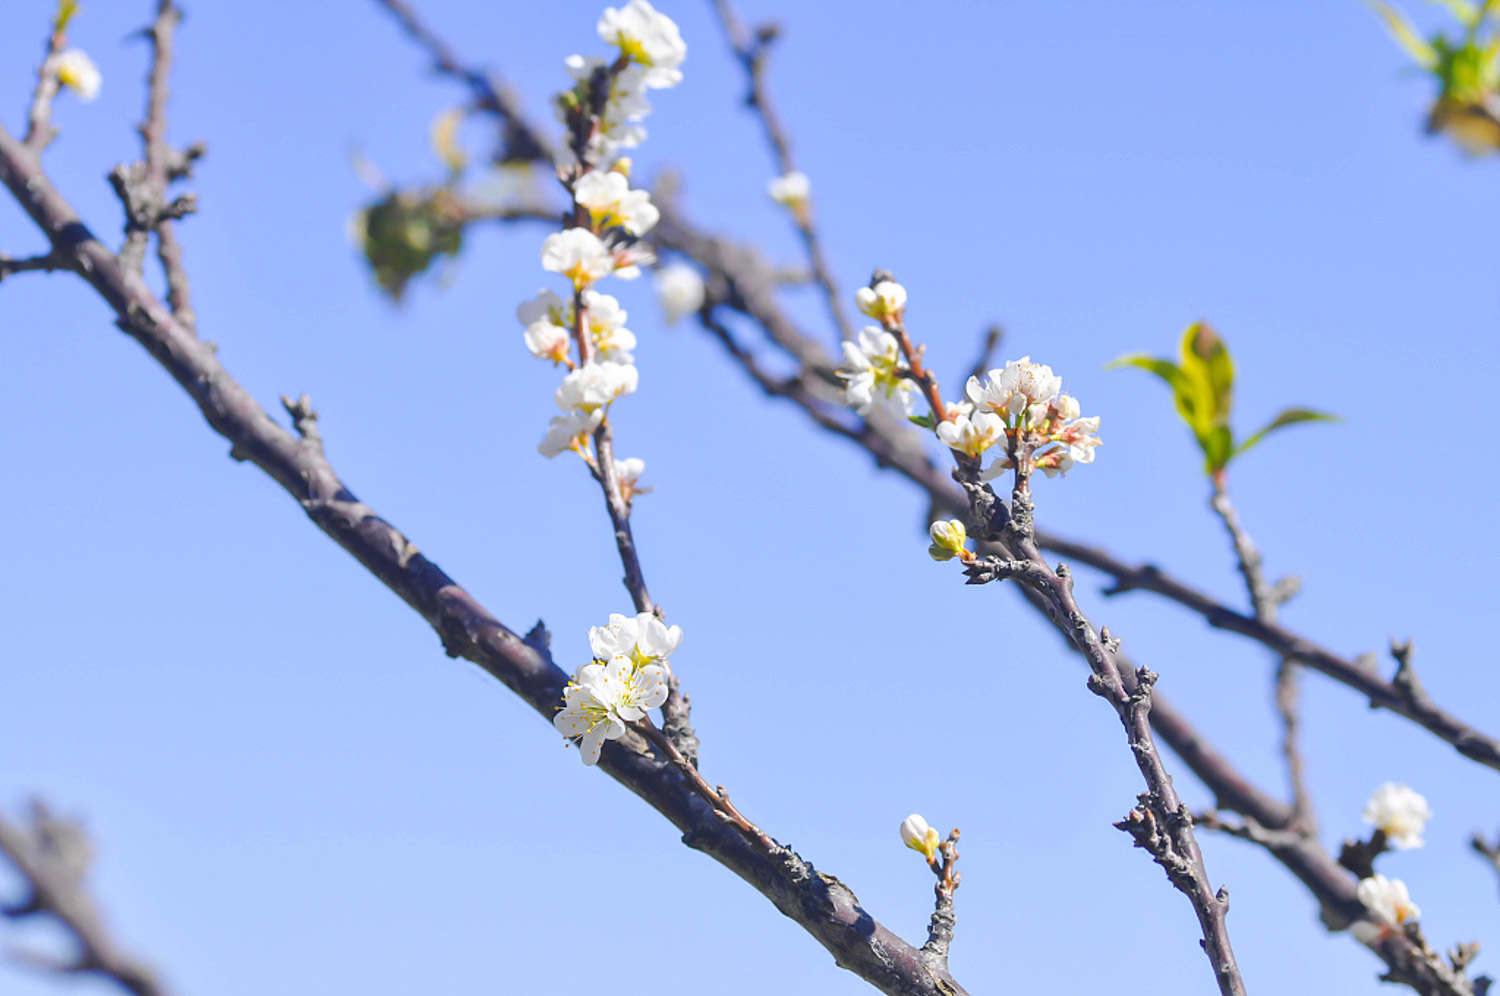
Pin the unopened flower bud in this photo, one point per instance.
(886, 299)
(948, 539)
(917, 835)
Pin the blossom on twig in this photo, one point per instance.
(642, 638)
(791, 191)
(1388, 908)
(1399, 812)
(595, 385)
(603, 698)
(648, 38)
(76, 71)
(886, 300)
(874, 373)
(610, 202)
(579, 255)
(570, 431)
(917, 835)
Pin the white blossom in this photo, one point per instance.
(873, 373)
(76, 71)
(594, 385)
(642, 638)
(577, 254)
(604, 320)
(569, 431)
(948, 540)
(887, 299)
(972, 433)
(548, 342)
(607, 197)
(1020, 393)
(1400, 813)
(648, 38)
(680, 290)
(602, 698)
(791, 190)
(917, 835)
(1388, 908)
(628, 473)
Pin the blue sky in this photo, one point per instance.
(293, 789)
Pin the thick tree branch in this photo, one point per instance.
(821, 904)
(52, 856)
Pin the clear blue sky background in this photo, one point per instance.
(294, 790)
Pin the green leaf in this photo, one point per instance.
(1206, 362)
(1284, 418)
(1406, 36)
(925, 421)
(1165, 369)
(1218, 448)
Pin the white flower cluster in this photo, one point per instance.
(75, 70)
(652, 49)
(610, 218)
(1024, 403)
(627, 677)
(1400, 812)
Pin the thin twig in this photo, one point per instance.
(752, 52)
(944, 919)
(52, 857)
(1264, 603)
(159, 164)
(39, 128)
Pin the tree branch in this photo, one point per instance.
(52, 857)
(752, 53)
(1263, 601)
(821, 904)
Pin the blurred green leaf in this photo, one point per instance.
(1218, 448)
(1406, 36)
(1286, 417)
(1210, 378)
(925, 421)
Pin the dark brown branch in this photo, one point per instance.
(1404, 698)
(52, 856)
(1264, 603)
(1160, 822)
(820, 903)
(752, 53)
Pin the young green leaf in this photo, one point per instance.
(1284, 418)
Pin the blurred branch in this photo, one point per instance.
(752, 52)
(52, 856)
(47, 262)
(1490, 852)
(1263, 600)
(162, 164)
(522, 140)
(820, 903)
(39, 129)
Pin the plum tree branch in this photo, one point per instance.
(820, 903)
